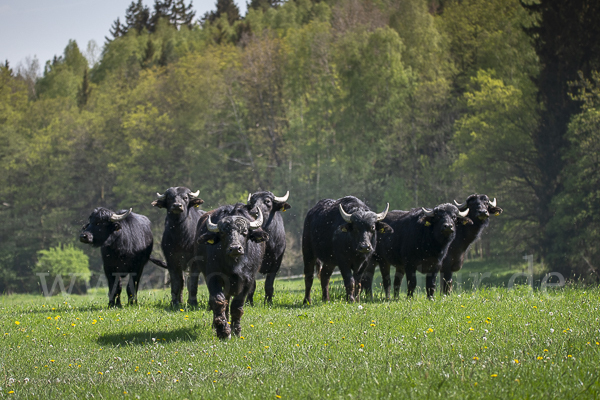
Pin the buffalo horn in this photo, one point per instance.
(382, 215)
(427, 212)
(194, 194)
(258, 223)
(211, 227)
(462, 206)
(161, 196)
(347, 217)
(119, 217)
(493, 202)
(282, 199)
(463, 213)
(249, 197)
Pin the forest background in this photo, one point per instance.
(411, 102)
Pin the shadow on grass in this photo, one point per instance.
(149, 337)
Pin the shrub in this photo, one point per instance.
(64, 264)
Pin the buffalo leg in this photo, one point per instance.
(192, 285)
(348, 283)
(430, 283)
(411, 283)
(132, 288)
(398, 276)
(237, 310)
(218, 304)
(176, 286)
(250, 297)
(447, 282)
(309, 276)
(366, 281)
(114, 289)
(269, 290)
(325, 277)
(385, 276)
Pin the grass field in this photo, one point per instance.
(491, 343)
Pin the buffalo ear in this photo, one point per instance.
(495, 210)
(258, 236)
(208, 238)
(345, 227)
(196, 202)
(465, 220)
(382, 227)
(158, 203)
(425, 220)
(283, 207)
(117, 226)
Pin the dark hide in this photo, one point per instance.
(125, 247)
(418, 243)
(275, 246)
(480, 210)
(230, 259)
(328, 240)
(177, 243)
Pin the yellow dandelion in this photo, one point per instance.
(372, 324)
(216, 370)
(545, 350)
(72, 324)
(471, 329)
(159, 372)
(331, 322)
(51, 360)
(569, 356)
(148, 373)
(475, 358)
(540, 358)
(214, 381)
(297, 345)
(11, 392)
(277, 396)
(248, 367)
(289, 325)
(241, 337)
(534, 306)
(362, 345)
(270, 323)
(462, 306)
(516, 361)
(266, 347)
(251, 326)
(429, 330)
(468, 316)
(181, 309)
(494, 375)
(99, 373)
(49, 318)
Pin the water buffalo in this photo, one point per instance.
(339, 232)
(479, 209)
(419, 242)
(125, 242)
(177, 243)
(270, 205)
(231, 248)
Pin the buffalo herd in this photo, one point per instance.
(229, 245)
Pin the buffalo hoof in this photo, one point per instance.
(307, 301)
(193, 303)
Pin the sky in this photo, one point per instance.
(42, 28)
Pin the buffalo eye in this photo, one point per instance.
(372, 228)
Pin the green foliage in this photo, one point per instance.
(67, 262)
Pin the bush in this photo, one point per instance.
(67, 268)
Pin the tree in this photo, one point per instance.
(137, 17)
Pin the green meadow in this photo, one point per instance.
(488, 343)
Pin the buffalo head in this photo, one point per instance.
(443, 219)
(101, 224)
(362, 226)
(479, 207)
(178, 200)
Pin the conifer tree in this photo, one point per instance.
(137, 16)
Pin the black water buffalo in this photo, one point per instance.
(125, 242)
(231, 248)
(480, 208)
(178, 239)
(270, 205)
(339, 232)
(419, 242)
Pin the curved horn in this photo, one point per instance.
(210, 226)
(258, 223)
(382, 215)
(120, 217)
(161, 196)
(462, 206)
(282, 199)
(493, 202)
(249, 197)
(347, 217)
(463, 213)
(195, 194)
(428, 213)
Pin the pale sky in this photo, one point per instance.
(42, 28)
